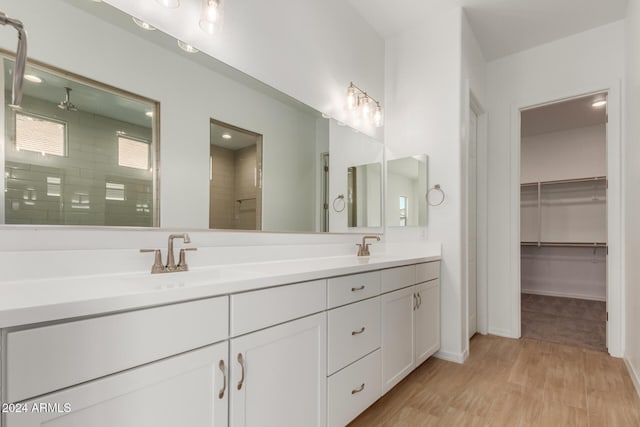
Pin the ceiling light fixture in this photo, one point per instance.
(187, 47)
(226, 136)
(144, 25)
(369, 108)
(171, 4)
(599, 103)
(32, 78)
(211, 16)
(149, 114)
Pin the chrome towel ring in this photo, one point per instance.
(435, 195)
(338, 203)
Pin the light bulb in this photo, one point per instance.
(171, 4)
(352, 98)
(211, 17)
(378, 119)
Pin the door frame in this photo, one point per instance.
(615, 278)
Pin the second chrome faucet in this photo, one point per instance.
(363, 248)
(171, 266)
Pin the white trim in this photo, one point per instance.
(562, 295)
(502, 333)
(615, 279)
(452, 357)
(635, 377)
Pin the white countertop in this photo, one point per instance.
(35, 301)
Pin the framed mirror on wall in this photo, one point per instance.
(406, 202)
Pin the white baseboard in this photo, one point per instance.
(635, 377)
(502, 333)
(562, 295)
(452, 357)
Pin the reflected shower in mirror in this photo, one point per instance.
(364, 195)
(235, 174)
(78, 153)
(406, 204)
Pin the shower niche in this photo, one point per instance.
(235, 178)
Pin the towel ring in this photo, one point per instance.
(339, 204)
(439, 199)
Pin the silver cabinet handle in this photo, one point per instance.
(415, 302)
(419, 300)
(241, 362)
(358, 332)
(359, 288)
(224, 379)
(358, 390)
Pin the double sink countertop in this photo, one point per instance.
(35, 301)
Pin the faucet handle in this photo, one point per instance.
(157, 267)
(182, 259)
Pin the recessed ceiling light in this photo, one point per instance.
(599, 103)
(32, 78)
(149, 114)
(187, 47)
(171, 4)
(144, 25)
(226, 136)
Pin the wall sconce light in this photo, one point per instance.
(369, 108)
(211, 16)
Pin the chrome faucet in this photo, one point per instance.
(363, 248)
(171, 265)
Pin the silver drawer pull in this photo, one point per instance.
(224, 379)
(241, 362)
(358, 390)
(358, 332)
(359, 288)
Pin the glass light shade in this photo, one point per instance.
(171, 4)
(212, 16)
(378, 118)
(367, 109)
(352, 98)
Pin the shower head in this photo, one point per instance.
(21, 59)
(66, 104)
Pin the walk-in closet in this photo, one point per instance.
(563, 222)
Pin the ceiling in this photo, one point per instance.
(560, 116)
(502, 27)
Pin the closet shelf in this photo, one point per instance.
(566, 181)
(566, 244)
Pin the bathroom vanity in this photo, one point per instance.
(292, 343)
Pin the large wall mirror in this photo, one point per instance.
(287, 162)
(406, 191)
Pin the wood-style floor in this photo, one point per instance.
(512, 383)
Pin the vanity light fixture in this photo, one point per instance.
(369, 108)
(171, 4)
(144, 25)
(211, 16)
(187, 47)
(596, 104)
(226, 136)
(32, 78)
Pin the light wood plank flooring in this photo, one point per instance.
(512, 383)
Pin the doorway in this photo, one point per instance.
(563, 221)
(235, 178)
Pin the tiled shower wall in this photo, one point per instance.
(90, 162)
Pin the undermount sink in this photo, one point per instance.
(188, 278)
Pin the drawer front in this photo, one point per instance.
(353, 390)
(354, 330)
(427, 271)
(347, 289)
(260, 309)
(397, 278)
(49, 358)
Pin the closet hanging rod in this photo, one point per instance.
(565, 244)
(567, 181)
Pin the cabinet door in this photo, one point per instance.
(183, 390)
(427, 320)
(278, 375)
(397, 336)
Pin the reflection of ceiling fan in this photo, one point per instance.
(67, 105)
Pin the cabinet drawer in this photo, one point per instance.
(356, 287)
(427, 271)
(397, 278)
(353, 390)
(49, 358)
(354, 330)
(259, 309)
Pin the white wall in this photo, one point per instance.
(422, 75)
(632, 195)
(307, 49)
(586, 62)
(190, 95)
